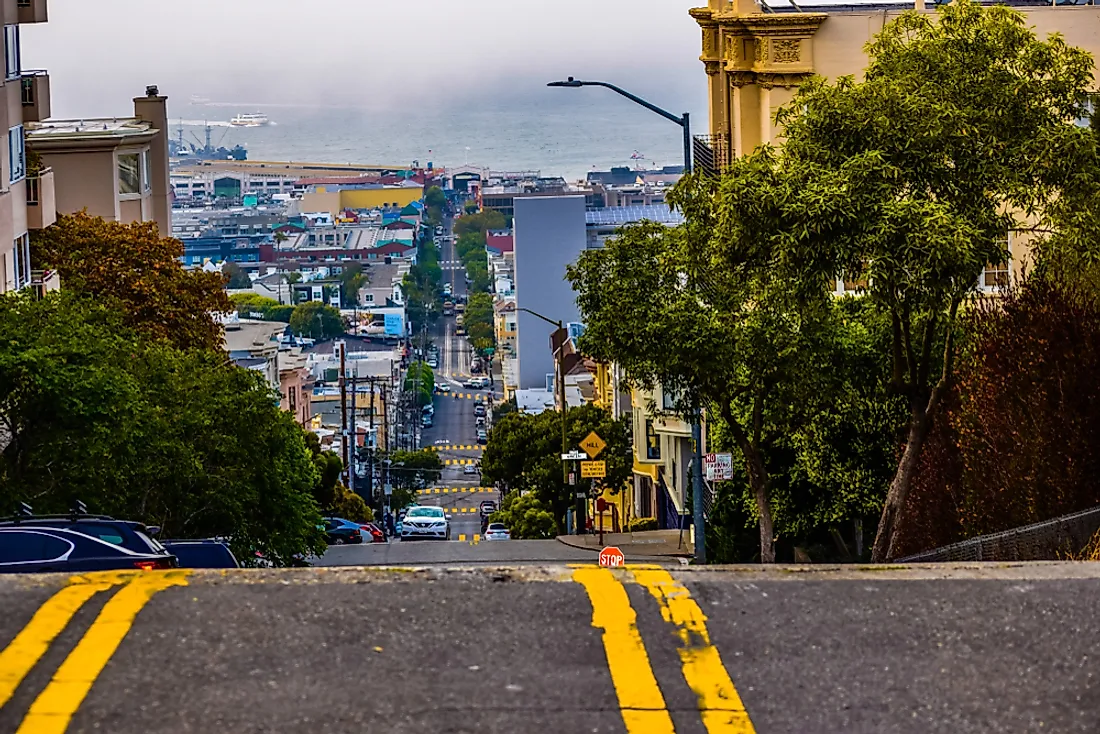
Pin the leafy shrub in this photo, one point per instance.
(641, 524)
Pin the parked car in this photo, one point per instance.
(479, 410)
(202, 553)
(44, 549)
(497, 531)
(375, 532)
(339, 531)
(482, 437)
(425, 522)
(472, 383)
(433, 362)
(469, 469)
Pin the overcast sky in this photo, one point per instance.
(381, 53)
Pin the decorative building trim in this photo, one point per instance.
(787, 50)
(712, 67)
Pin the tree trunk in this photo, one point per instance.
(758, 480)
(883, 549)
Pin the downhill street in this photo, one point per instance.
(976, 650)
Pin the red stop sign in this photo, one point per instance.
(612, 557)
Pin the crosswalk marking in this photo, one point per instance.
(477, 538)
(459, 462)
(719, 705)
(468, 396)
(462, 536)
(640, 700)
(455, 490)
(458, 447)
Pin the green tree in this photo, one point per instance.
(139, 272)
(435, 198)
(192, 444)
(410, 471)
(913, 178)
(421, 379)
(481, 222)
(524, 453)
(470, 207)
(525, 516)
(352, 279)
(235, 278)
(315, 319)
(247, 304)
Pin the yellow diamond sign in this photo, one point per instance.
(593, 445)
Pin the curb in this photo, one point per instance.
(597, 550)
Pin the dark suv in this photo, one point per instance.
(132, 536)
(29, 548)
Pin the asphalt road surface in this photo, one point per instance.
(975, 650)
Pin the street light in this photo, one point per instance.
(684, 121)
(559, 357)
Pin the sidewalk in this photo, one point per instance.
(647, 543)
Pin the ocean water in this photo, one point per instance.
(564, 132)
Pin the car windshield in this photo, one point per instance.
(425, 512)
(497, 526)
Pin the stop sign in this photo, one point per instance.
(612, 557)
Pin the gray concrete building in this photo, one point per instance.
(549, 235)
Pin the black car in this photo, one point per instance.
(202, 554)
(41, 549)
(132, 536)
(339, 531)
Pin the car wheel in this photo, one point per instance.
(338, 541)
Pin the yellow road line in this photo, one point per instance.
(477, 538)
(34, 640)
(719, 705)
(462, 536)
(52, 711)
(640, 700)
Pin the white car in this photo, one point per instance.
(497, 531)
(442, 442)
(443, 387)
(469, 469)
(425, 522)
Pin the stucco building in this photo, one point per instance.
(24, 97)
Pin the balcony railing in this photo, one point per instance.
(712, 153)
(34, 186)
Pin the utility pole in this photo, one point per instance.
(374, 447)
(353, 449)
(386, 431)
(339, 346)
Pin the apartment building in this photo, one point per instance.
(116, 168)
(755, 58)
(24, 98)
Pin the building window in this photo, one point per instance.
(652, 441)
(129, 173)
(13, 63)
(147, 170)
(17, 153)
(293, 399)
(22, 254)
(995, 276)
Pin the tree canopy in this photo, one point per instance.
(524, 453)
(317, 320)
(138, 271)
(136, 428)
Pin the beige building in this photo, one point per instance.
(755, 60)
(116, 168)
(24, 97)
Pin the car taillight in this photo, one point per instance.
(159, 564)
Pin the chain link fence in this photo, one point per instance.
(1044, 541)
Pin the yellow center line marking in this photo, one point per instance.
(719, 705)
(28, 647)
(640, 700)
(52, 711)
(462, 536)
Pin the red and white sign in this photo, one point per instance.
(612, 557)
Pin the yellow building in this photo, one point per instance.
(335, 198)
(755, 61)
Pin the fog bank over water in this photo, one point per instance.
(375, 54)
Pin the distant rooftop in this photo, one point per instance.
(96, 127)
(854, 6)
(616, 215)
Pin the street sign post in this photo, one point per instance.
(612, 557)
(593, 445)
(593, 469)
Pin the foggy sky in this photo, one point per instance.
(373, 53)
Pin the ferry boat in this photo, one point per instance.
(257, 119)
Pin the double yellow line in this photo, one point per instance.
(640, 700)
(52, 711)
